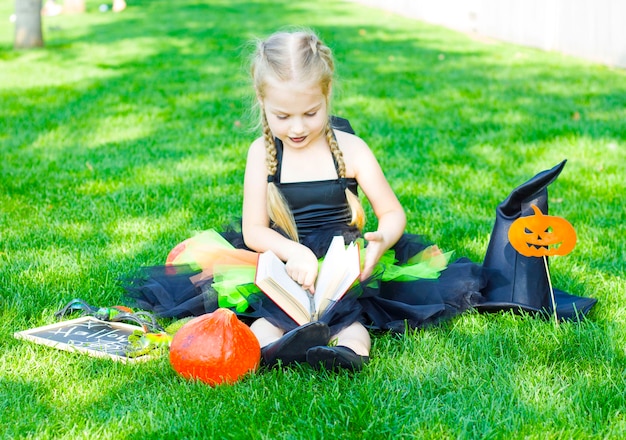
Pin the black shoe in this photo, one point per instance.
(334, 358)
(292, 346)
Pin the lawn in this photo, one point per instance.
(128, 133)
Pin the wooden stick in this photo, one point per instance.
(545, 262)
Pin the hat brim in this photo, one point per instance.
(568, 306)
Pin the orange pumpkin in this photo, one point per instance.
(542, 235)
(215, 348)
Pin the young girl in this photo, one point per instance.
(302, 175)
(300, 190)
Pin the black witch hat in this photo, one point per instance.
(516, 282)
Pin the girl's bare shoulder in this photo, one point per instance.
(258, 145)
(256, 151)
(348, 142)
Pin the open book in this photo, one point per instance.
(339, 270)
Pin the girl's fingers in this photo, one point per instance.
(373, 236)
(306, 280)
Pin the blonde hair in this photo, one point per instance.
(296, 56)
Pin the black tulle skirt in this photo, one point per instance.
(388, 300)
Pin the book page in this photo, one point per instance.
(341, 267)
(331, 267)
(272, 278)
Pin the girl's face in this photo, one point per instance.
(296, 114)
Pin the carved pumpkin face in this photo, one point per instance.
(215, 348)
(542, 235)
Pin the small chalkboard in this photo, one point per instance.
(86, 335)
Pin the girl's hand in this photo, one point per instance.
(376, 246)
(302, 267)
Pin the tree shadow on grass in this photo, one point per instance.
(24, 406)
(432, 104)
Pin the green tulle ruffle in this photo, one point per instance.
(234, 284)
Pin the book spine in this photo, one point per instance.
(312, 310)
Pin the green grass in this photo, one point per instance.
(128, 132)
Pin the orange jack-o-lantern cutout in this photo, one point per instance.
(541, 235)
(215, 348)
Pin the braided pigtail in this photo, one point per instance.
(290, 56)
(358, 214)
(277, 207)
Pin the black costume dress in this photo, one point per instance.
(395, 297)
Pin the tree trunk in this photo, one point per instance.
(28, 24)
